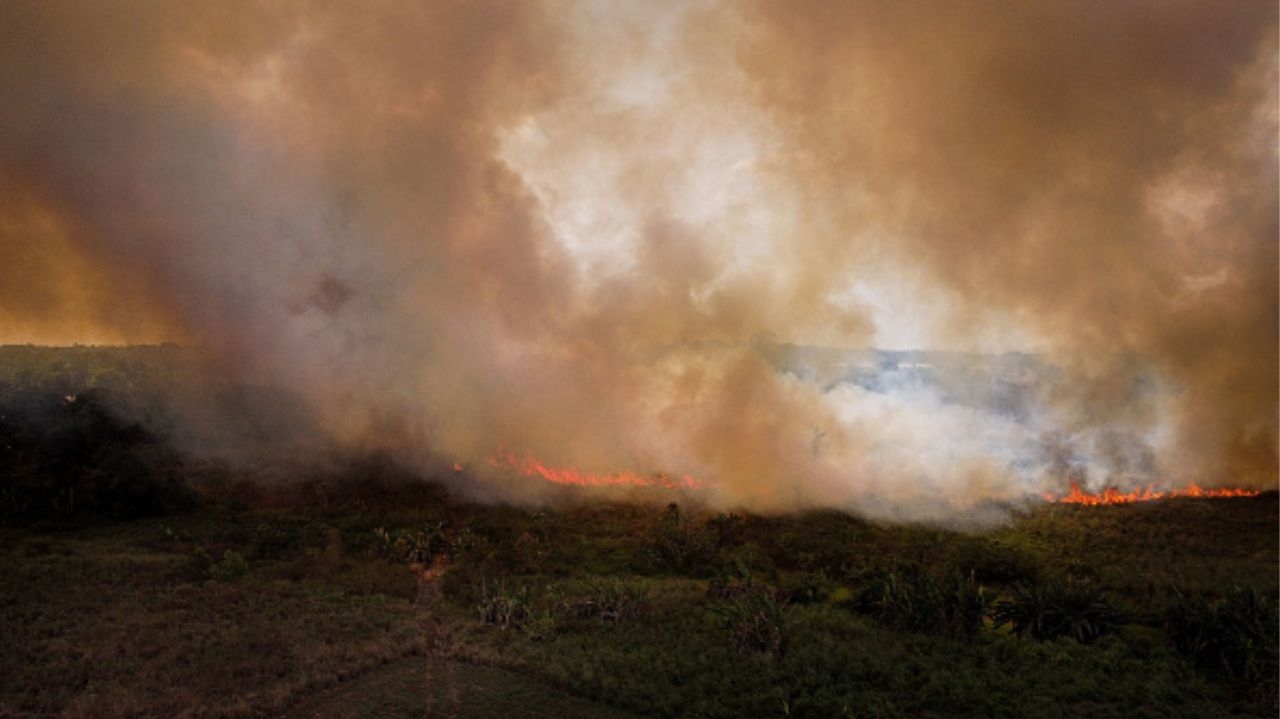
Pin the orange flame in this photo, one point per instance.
(1111, 495)
(530, 466)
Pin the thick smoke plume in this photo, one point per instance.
(617, 236)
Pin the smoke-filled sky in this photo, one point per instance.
(567, 228)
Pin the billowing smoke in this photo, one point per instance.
(636, 236)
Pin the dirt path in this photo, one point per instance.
(402, 689)
(437, 686)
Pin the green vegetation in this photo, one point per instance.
(235, 610)
(914, 600)
(1233, 636)
(827, 615)
(361, 590)
(1052, 609)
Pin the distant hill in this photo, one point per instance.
(171, 390)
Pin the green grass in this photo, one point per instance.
(623, 605)
(679, 658)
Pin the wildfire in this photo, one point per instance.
(1111, 495)
(530, 466)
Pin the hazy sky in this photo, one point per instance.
(559, 226)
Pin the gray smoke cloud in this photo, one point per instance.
(604, 234)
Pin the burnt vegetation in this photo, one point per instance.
(125, 561)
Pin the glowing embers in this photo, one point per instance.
(1111, 495)
(530, 466)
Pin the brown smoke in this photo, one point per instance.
(1105, 171)
(585, 230)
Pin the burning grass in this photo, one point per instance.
(529, 466)
(1111, 495)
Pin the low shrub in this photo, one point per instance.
(609, 600)
(915, 600)
(1052, 609)
(678, 546)
(507, 609)
(727, 529)
(1234, 636)
(232, 567)
(807, 587)
(730, 584)
(410, 546)
(196, 566)
(755, 621)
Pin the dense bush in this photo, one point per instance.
(915, 600)
(232, 567)
(754, 619)
(1052, 609)
(679, 546)
(1234, 636)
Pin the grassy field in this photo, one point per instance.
(342, 605)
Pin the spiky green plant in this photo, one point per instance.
(501, 607)
(915, 600)
(1233, 636)
(1052, 609)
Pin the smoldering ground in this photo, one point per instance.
(582, 230)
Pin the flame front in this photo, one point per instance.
(530, 466)
(1111, 495)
